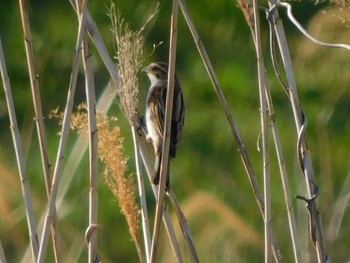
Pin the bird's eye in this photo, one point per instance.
(153, 68)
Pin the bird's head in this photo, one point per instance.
(157, 71)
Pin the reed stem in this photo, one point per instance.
(93, 150)
(33, 234)
(167, 130)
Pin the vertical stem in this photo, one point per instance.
(19, 157)
(96, 38)
(93, 150)
(91, 236)
(264, 129)
(142, 194)
(148, 162)
(242, 149)
(278, 146)
(209, 67)
(63, 141)
(186, 231)
(315, 217)
(34, 83)
(2, 254)
(167, 129)
(285, 182)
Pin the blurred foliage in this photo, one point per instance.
(207, 159)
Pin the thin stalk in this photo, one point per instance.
(209, 67)
(93, 149)
(167, 221)
(63, 141)
(171, 235)
(39, 119)
(96, 37)
(306, 34)
(74, 159)
(264, 131)
(167, 130)
(312, 191)
(242, 149)
(284, 178)
(142, 194)
(148, 163)
(2, 254)
(33, 234)
(93, 144)
(186, 231)
(278, 147)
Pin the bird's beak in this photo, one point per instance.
(145, 69)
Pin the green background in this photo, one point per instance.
(207, 160)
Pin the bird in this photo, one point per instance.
(157, 72)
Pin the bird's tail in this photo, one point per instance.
(156, 173)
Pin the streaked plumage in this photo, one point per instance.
(155, 114)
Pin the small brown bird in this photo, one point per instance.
(155, 115)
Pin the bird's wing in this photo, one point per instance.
(156, 103)
(177, 121)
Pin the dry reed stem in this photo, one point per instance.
(33, 234)
(264, 132)
(39, 119)
(283, 171)
(34, 82)
(93, 149)
(171, 235)
(247, 9)
(63, 141)
(148, 162)
(94, 33)
(186, 231)
(129, 55)
(167, 130)
(111, 153)
(242, 149)
(142, 194)
(2, 254)
(74, 160)
(285, 183)
(93, 146)
(209, 67)
(278, 147)
(100, 46)
(304, 152)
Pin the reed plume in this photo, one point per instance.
(111, 153)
